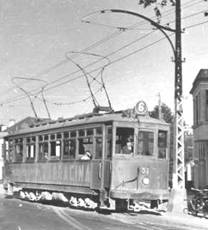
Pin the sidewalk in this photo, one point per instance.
(165, 219)
(198, 222)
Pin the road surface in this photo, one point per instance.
(16, 214)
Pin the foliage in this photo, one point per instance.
(167, 115)
(157, 5)
(159, 2)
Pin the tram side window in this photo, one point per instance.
(30, 148)
(69, 146)
(98, 147)
(145, 143)
(85, 142)
(55, 145)
(162, 144)
(43, 147)
(98, 143)
(109, 143)
(11, 149)
(19, 149)
(124, 140)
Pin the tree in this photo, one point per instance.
(157, 5)
(166, 112)
(160, 3)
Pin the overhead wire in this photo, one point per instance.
(108, 37)
(197, 24)
(95, 45)
(147, 46)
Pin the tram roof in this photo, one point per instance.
(91, 118)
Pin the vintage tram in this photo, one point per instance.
(129, 160)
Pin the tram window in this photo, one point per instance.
(52, 136)
(30, 151)
(89, 132)
(98, 147)
(55, 149)
(10, 150)
(46, 137)
(162, 144)
(18, 149)
(30, 148)
(85, 144)
(58, 135)
(81, 133)
(43, 151)
(109, 143)
(145, 143)
(66, 134)
(99, 131)
(73, 134)
(124, 140)
(81, 147)
(40, 138)
(69, 149)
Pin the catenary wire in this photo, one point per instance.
(108, 37)
(74, 79)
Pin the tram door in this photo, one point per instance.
(100, 165)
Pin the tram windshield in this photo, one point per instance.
(124, 140)
(145, 143)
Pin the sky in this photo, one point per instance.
(43, 44)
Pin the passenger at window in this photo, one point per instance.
(128, 147)
(46, 156)
(87, 156)
(81, 147)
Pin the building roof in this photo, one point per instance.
(202, 76)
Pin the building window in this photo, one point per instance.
(145, 143)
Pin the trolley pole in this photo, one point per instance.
(178, 193)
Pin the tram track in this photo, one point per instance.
(69, 219)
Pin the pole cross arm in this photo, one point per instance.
(138, 15)
(158, 26)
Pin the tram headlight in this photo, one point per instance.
(145, 180)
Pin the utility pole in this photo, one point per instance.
(178, 194)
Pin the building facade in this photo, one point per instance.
(199, 92)
(3, 133)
